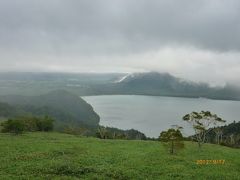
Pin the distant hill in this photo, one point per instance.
(29, 83)
(87, 84)
(7, 110)
(164, 84)
(65, 107)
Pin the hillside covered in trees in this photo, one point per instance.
(66, 108)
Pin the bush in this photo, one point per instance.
(13, 126)
(45, 124)
(31, 124)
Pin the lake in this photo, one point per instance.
(153, 114)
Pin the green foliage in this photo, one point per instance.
(13, 126)
(62, 156)
(228, 135)
(201, 121)
(170, 134)
(30, 123)
(45, 124)
(173, 139)
(63, 106)
(20, 124)
(115, 133)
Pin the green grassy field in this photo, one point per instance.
(62, 156)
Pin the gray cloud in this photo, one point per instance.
(99, 35)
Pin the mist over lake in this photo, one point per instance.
(152, 114)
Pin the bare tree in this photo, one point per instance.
(232, 140)
(218, 132)
(200, 122)
(102, 131)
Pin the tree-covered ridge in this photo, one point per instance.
(61, 105)
(164, 84)
(115, 133)
(29, 124)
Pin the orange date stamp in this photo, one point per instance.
(210, 161)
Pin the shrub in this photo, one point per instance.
(13, 126)
(45, 124)
(21, 124)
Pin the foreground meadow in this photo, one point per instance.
(62, 156)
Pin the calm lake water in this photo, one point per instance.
(152, 114)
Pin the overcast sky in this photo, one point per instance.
(193, 39)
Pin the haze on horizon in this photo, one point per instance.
(196, 40)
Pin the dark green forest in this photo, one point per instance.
(65, 107)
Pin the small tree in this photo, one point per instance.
(13, 126)
(173, 139)
(200, 122)
(30, 123)
(45, 124)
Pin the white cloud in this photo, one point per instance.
(185, 62)
(197, 40)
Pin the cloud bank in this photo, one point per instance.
(194, 39)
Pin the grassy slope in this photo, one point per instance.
(54, 155)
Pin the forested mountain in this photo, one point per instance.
(164, 84)
(65, 107)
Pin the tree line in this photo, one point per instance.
(114, 133)
(27, 124)
(205, 124)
